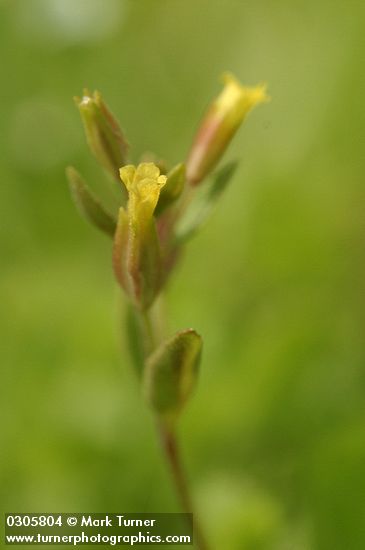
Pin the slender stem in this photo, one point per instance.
(171, 450)
(149, 336)
(151, 329)
(152, 325)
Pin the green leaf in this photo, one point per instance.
(204, 202)
(88, 204)
(172, 189)
(171, 373)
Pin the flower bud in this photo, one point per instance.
(103, 133)
(171, 374)
(137, 254)
(221, 122)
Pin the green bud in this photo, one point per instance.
(88, 204)
(171, 373)
(103, 133)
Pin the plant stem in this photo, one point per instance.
(171, 451)
(152, 323)
(149, 334)
(152, 335)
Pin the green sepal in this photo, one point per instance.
(137, 259)
(172, 189)
(204, 203)
(171, 373)
(88, 204)
(148, 270)
(120, 249)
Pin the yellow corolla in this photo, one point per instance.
(143, 184)
(222, 120)
(235, 101)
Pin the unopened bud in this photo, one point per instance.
(221, 122)
(171, 374)
(103, 133)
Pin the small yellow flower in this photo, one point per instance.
(222, 120)
(236, 101)
(137, 252)
(143, 184)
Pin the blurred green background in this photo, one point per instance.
(274, 438)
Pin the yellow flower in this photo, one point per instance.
(143, 184)
(236, 101)
(137, 251)
(222, 120)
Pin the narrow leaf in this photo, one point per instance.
(172, 189)
(88, 204)
(171, 373)
(204, 203)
